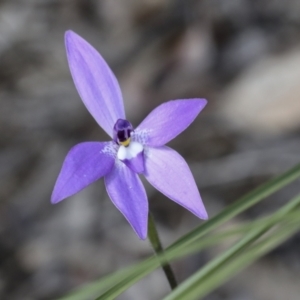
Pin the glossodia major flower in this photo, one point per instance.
(131, 151)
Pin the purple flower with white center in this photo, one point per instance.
(131, 151)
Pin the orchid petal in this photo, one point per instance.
(84, 164)
(95, 82)
(168, 120)
(168, 172)
(126, 191)
(132, 156)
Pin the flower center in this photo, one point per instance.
(122, 132)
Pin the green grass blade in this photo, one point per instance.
(203, 286)
(253, 235)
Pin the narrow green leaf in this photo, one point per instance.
(214, 265)
(203, 286)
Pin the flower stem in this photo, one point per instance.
(158, 249)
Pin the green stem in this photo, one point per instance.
(158, 249)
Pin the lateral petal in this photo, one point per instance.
(128, 194)
(169, 173)
(168, 120)
(84, 164)
(95, 82)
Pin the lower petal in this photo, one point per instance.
(127, 192)
(84, 164)
(168, 172)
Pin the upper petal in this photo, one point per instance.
(127, 192)
(84, 164)
(168, 120)
(168, 172)
(95, 82)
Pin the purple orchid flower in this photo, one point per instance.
(131, 151)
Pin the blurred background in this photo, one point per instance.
(242, 55)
